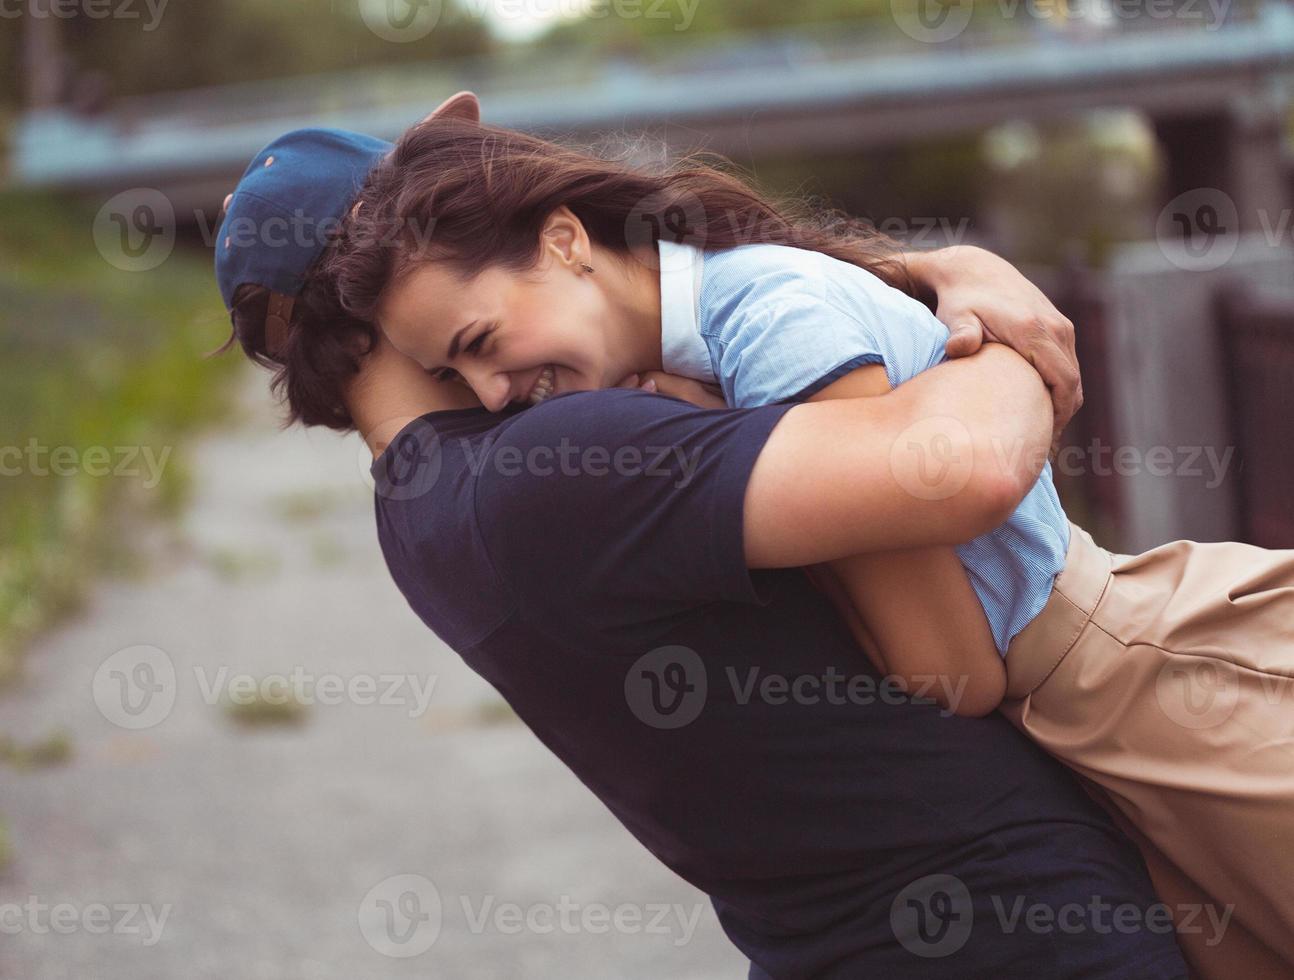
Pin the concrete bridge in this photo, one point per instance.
(1217, 95)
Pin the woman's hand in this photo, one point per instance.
(685, 389)
(982, 297)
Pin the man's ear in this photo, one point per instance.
(563, 237)
(463, 105)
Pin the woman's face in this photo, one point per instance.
(515, 337)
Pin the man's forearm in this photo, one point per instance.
(943, 458)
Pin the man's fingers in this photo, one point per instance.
(965, 335)
(1057, 430)
(1059, 371)
(683, 388)
(632, 381)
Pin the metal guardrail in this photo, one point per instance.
(208, 131)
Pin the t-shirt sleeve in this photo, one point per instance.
(610, 509)
(785, 323)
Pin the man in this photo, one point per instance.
(624, 569)
(591, 558)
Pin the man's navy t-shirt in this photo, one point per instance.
(586, 558)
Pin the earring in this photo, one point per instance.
(586, 267)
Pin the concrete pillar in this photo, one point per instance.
(1168, 386)
(43, 62)
(1240, 152)
(1257, 167)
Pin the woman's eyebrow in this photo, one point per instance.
(453, 344)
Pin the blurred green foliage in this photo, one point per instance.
(212, 42)
(1073, 189)
(90, 356)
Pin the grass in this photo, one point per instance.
(304, 506)
(53, 750)
(105, 368)
(264, 710)
(234, 565)
(102, 386)
(327, 551)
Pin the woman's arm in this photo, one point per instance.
(914, 611)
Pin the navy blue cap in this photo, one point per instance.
(295, 192)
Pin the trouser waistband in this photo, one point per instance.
(1039, 647)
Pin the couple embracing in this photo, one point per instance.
(836, 656)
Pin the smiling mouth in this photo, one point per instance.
(544, 385)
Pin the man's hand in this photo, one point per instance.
(982, 297)
(699, 394)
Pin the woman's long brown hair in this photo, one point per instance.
(475, 196)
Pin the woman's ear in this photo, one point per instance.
(563, 238)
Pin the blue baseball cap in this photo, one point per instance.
(294, 192)
(293, 196)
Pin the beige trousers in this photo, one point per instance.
(1166, 680)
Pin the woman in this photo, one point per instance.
(539, 280)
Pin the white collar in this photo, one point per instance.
(683, 349)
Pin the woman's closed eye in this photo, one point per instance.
(473, 347)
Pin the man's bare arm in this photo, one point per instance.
(940, 460)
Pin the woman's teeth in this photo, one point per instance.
(543, 386)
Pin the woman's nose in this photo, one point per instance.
(494, 388)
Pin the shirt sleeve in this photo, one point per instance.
(783, 323)
(609, 509)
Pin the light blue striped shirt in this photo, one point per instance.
(769, 324)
